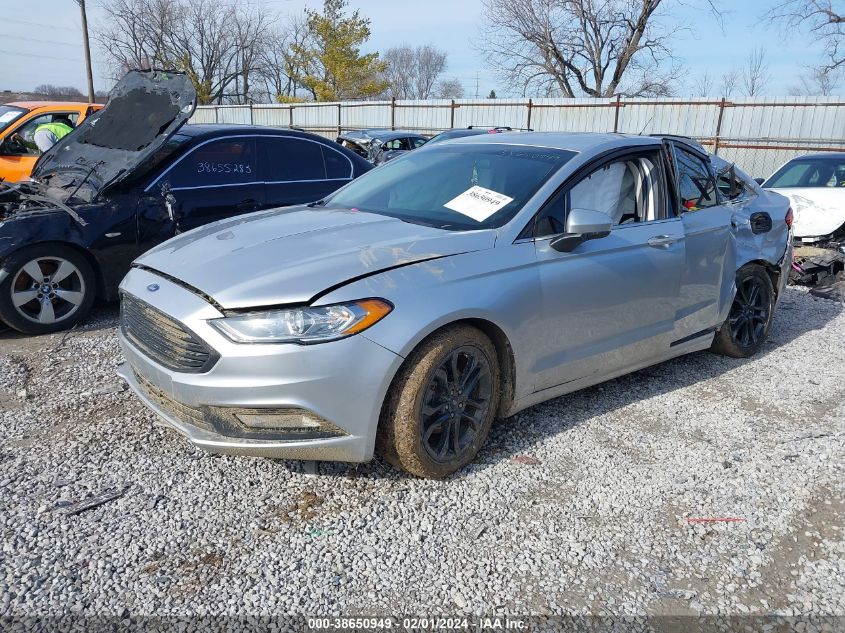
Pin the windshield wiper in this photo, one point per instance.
(319, 203)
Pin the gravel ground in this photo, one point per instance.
(581, 505)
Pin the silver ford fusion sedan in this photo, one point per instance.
(453, 285)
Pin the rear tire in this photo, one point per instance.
(747, 327)
(46, 288)
(440, 407)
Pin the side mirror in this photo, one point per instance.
(582, 225)
(759, 181)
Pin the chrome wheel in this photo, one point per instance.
(47, 290)
(750, 312)
(455, 403)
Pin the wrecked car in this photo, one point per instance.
(464, 282)
(132, 176)
(815, 185)
(380, 146)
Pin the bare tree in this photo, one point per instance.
(413, 72)
(218, 45)
(730, 82)
(820, 81)
(755, 74)
(282, 63)
(401, 67)
(57, 91)
(450, 89)
(704, 84)
(134, 33)
(597, 48)
(824, 19)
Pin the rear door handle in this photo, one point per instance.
(663, 241)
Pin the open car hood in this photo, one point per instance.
(144, 109)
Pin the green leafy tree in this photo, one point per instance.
(335, 69)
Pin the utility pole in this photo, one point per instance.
(476, 84)
(87, 46)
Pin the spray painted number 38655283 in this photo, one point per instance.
(224, 168)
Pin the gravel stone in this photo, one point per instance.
(576, 506)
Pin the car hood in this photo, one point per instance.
(292, 255)
(818, 211)
(144, 109)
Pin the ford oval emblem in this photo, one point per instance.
(152, 287)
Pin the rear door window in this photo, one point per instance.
(338, 166)
(217, 163)
(291, 159)
(696, 185)
(732, 187)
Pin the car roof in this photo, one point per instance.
(32, 105)
(822, 155)
(203, 130)
(570, 141)
(381, 135)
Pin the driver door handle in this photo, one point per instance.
(664, 241)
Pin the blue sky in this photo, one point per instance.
(52, 53)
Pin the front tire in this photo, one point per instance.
(46, 288)
(440, 407)
(747, 327)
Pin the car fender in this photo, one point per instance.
(432, 294)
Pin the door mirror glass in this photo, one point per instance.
(588, 222)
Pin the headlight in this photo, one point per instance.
(305, 324)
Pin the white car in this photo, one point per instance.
(815, 185)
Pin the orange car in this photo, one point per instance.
(19, 120)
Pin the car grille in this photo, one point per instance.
(163, 339)
(188, 415)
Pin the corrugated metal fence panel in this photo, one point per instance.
(669, 116)
(785, 118)
(365, 114)
(578, 115)
(241, 115)
(493, 112)
(274, 115)
(427, 117)
(321, 118)
(204, 114)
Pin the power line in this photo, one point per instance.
(41, 26)
(36, 40)
(61, 59)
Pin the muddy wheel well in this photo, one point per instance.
(95, 265)
(504, 354)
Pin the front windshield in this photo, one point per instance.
(9, 114)
(454, 187)
(810, 172)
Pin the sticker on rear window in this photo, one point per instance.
(478, 203)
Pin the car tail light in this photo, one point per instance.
(788, 217)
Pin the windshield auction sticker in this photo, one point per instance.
(478, 203)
